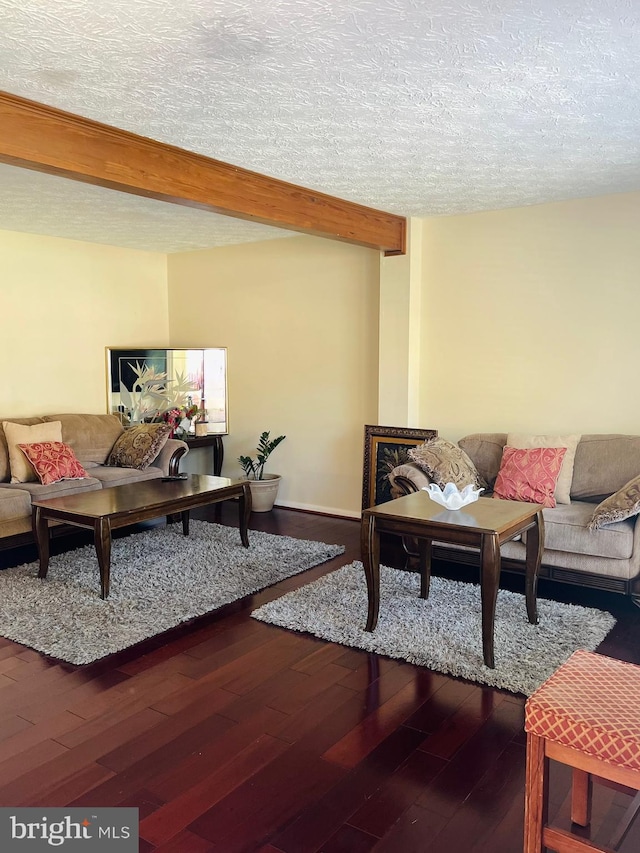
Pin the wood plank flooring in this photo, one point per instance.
(235, 736)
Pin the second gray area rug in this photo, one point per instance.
(443, 633)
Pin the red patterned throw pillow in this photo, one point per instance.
(53, 461)
(529, 475)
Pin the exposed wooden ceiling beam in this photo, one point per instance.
(45, 139)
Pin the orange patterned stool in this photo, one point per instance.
(586, 715)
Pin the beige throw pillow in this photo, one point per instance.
(625, 503)
(524, 441)
(138, 446)
(22, 471)
(445, 462)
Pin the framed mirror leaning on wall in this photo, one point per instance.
(151, 383)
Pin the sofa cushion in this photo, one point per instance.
(529, 474)
(485, 451)
(570, 442)
(90, 436)
(138, 446)
(14, 503)
(109, 476)
(604, 464)
(625, 503)
(39, 492)
(21, 469)
(445, 462)
(566, 529)
(53, 461)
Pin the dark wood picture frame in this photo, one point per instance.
(386, 447)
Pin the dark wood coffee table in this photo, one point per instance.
(485, 524)
(119, 506)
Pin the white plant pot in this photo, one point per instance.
(263, 492)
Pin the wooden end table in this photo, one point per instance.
(120, 506)
(485, 524)
(212, 440)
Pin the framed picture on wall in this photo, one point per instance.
(384, 449)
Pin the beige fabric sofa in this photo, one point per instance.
(91, 438)
(608, 558)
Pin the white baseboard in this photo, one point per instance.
(323, 510)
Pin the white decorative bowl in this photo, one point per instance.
(451, 497)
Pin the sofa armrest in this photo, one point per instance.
(634, 562)
(406, 479)
(169, 457)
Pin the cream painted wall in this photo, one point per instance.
(300, 319)
(62, 302)
(531, 318)
(529, 322)
(400, 333)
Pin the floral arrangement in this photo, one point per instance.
(177, 416)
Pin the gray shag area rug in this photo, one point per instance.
(444, 632)
(159, 578)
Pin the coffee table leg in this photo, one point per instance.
(185, 522)
(489, 579)
(40, 527)
(424, 551)
(535, 547)
(102, 540)
(244, 511)
(370, 549)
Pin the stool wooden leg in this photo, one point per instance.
(535, 794)
(581, 790)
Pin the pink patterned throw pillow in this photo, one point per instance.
(53, 461)
(529, 475)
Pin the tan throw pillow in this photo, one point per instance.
(625, 503)
(525, 441)
(445, 462)
(138, 446)
(21, 469)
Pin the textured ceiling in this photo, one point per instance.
(45, 204)
(419, 107)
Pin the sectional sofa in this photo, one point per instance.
(91, 438)
(606, 558)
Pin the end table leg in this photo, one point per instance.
(489, 579)
(102, 540)
(424, 551)
(218, 455)
(185, 522)
(370, 549)
(244, 510)
(535, 547)
(40, 527)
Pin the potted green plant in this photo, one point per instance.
(264, 487)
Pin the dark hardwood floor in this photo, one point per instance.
(231, 735)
